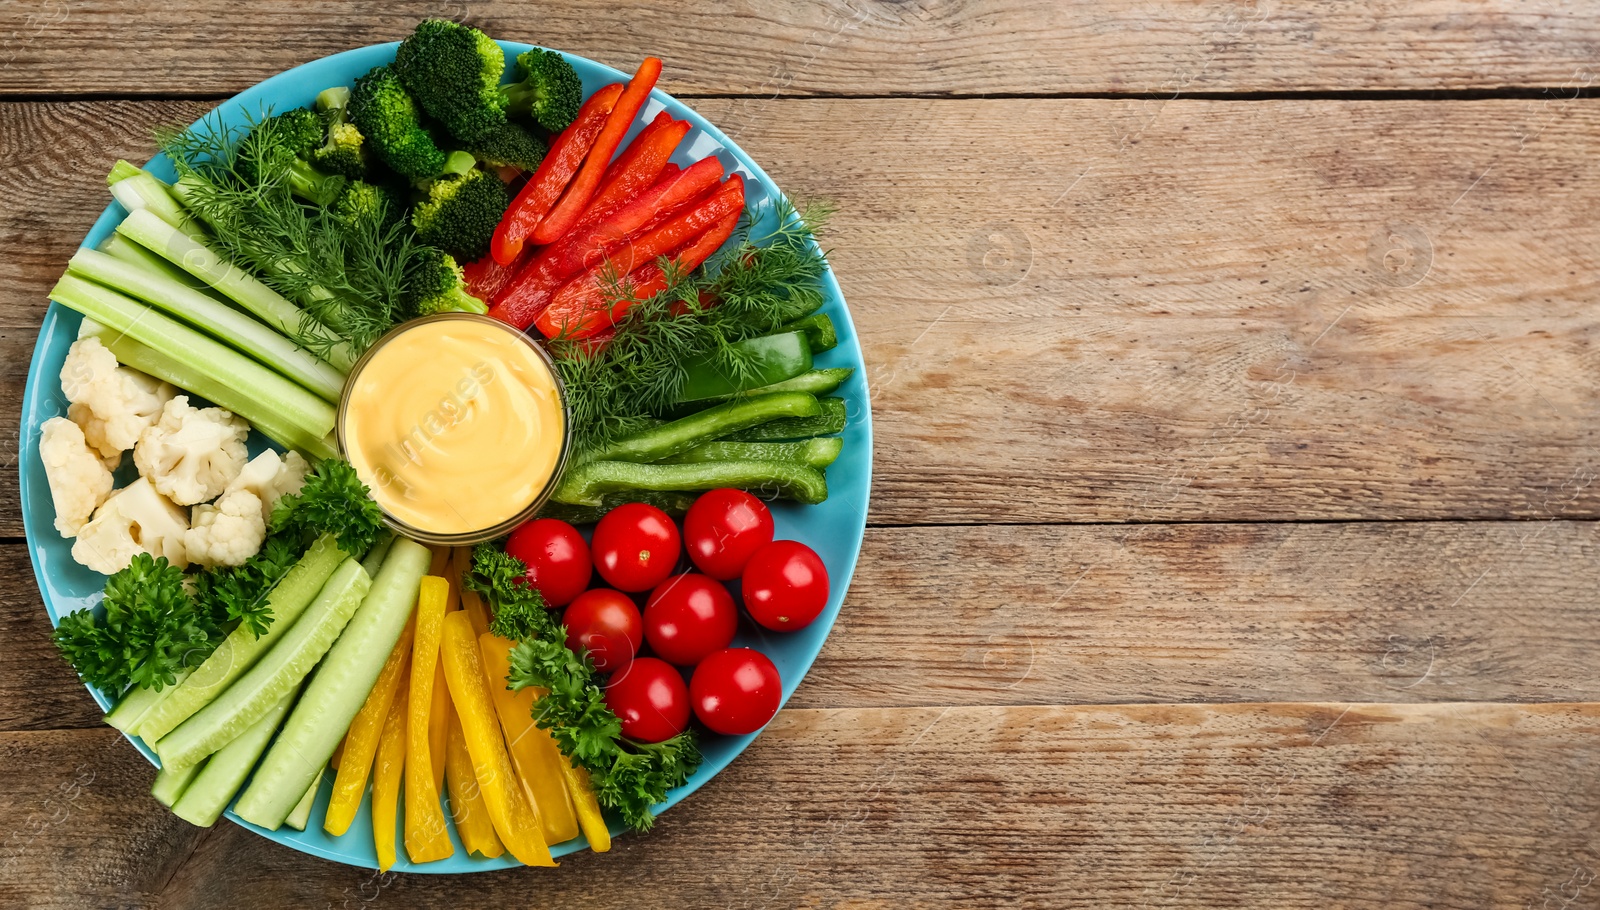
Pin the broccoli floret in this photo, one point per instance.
(510, 146)
(547, 89)
(434, 284)
(362, 202)
(286, 141)
(454, 71)
(392, 125)
(460, 213)
(344, 152)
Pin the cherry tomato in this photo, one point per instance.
(687, 617)
(722, 530)
(735, 690)
(607, 625)
(650, 699)
(785, 585)
(556, 557)
(636, 547)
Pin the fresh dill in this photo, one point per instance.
(753, 286)
(348, 275)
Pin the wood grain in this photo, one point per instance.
(1090, 310)
(1280, 806)
(850, 46)
(1386, 612)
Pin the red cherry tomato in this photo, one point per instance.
(556, 557)
(722, 530)
(687, 617)
(607, 625)
(650, 699)
(636, 547)
(735, 690)
(785, 585)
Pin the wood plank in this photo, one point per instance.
(1386, 612)
(928, 46)
(1243, 310)
(1281, 806)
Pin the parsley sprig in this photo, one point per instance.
(629, 777)
(154, 624)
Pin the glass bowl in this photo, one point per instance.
(500, 528)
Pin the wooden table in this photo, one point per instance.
(1237, 388)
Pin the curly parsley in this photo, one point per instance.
(628, 776)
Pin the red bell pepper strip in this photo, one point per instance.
(531, 289)
(582, 188)
(485, 277)
(639, 166)
(580, 308)
(564, 159)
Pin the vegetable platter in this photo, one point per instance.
(645, 283)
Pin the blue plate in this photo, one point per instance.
(833, 529)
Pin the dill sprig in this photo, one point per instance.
(752, 287)
(348, 275)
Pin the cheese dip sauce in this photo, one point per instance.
(456, 423)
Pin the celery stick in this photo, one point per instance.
(277, 672)
(196, 351)
(119, 247)
(373, 561)
(223, 322)
(150, 232)
(148, 360)
(302, 810)
(170, 785)
(143, 192)
(137, 702)
(816, 453)
(332, 699)
(240, 650)
(202, 803)
(122, 170)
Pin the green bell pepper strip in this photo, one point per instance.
(588, 484)
(819, 331)
(685, 433)
(771, 358)
(674, 503)
(813, 453)
(814, 382)
(832, 420)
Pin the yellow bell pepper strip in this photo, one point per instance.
(466, 802)
(589, 817)
(439, 725)
(537, 758)
(426, 837)
(386, 776)
(508, 806)
(338, 751)
(361, 741)
(471, 603)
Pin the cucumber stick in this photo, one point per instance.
(332, 699)
(170, 784)
(276, 674)
(301, 816)
(138, 702)
(202, 803)
(240, 650)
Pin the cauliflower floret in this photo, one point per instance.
(112, 403)
(271, 477)
(227, 532)
(136, 519)
(79, 481)
(190, 454)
